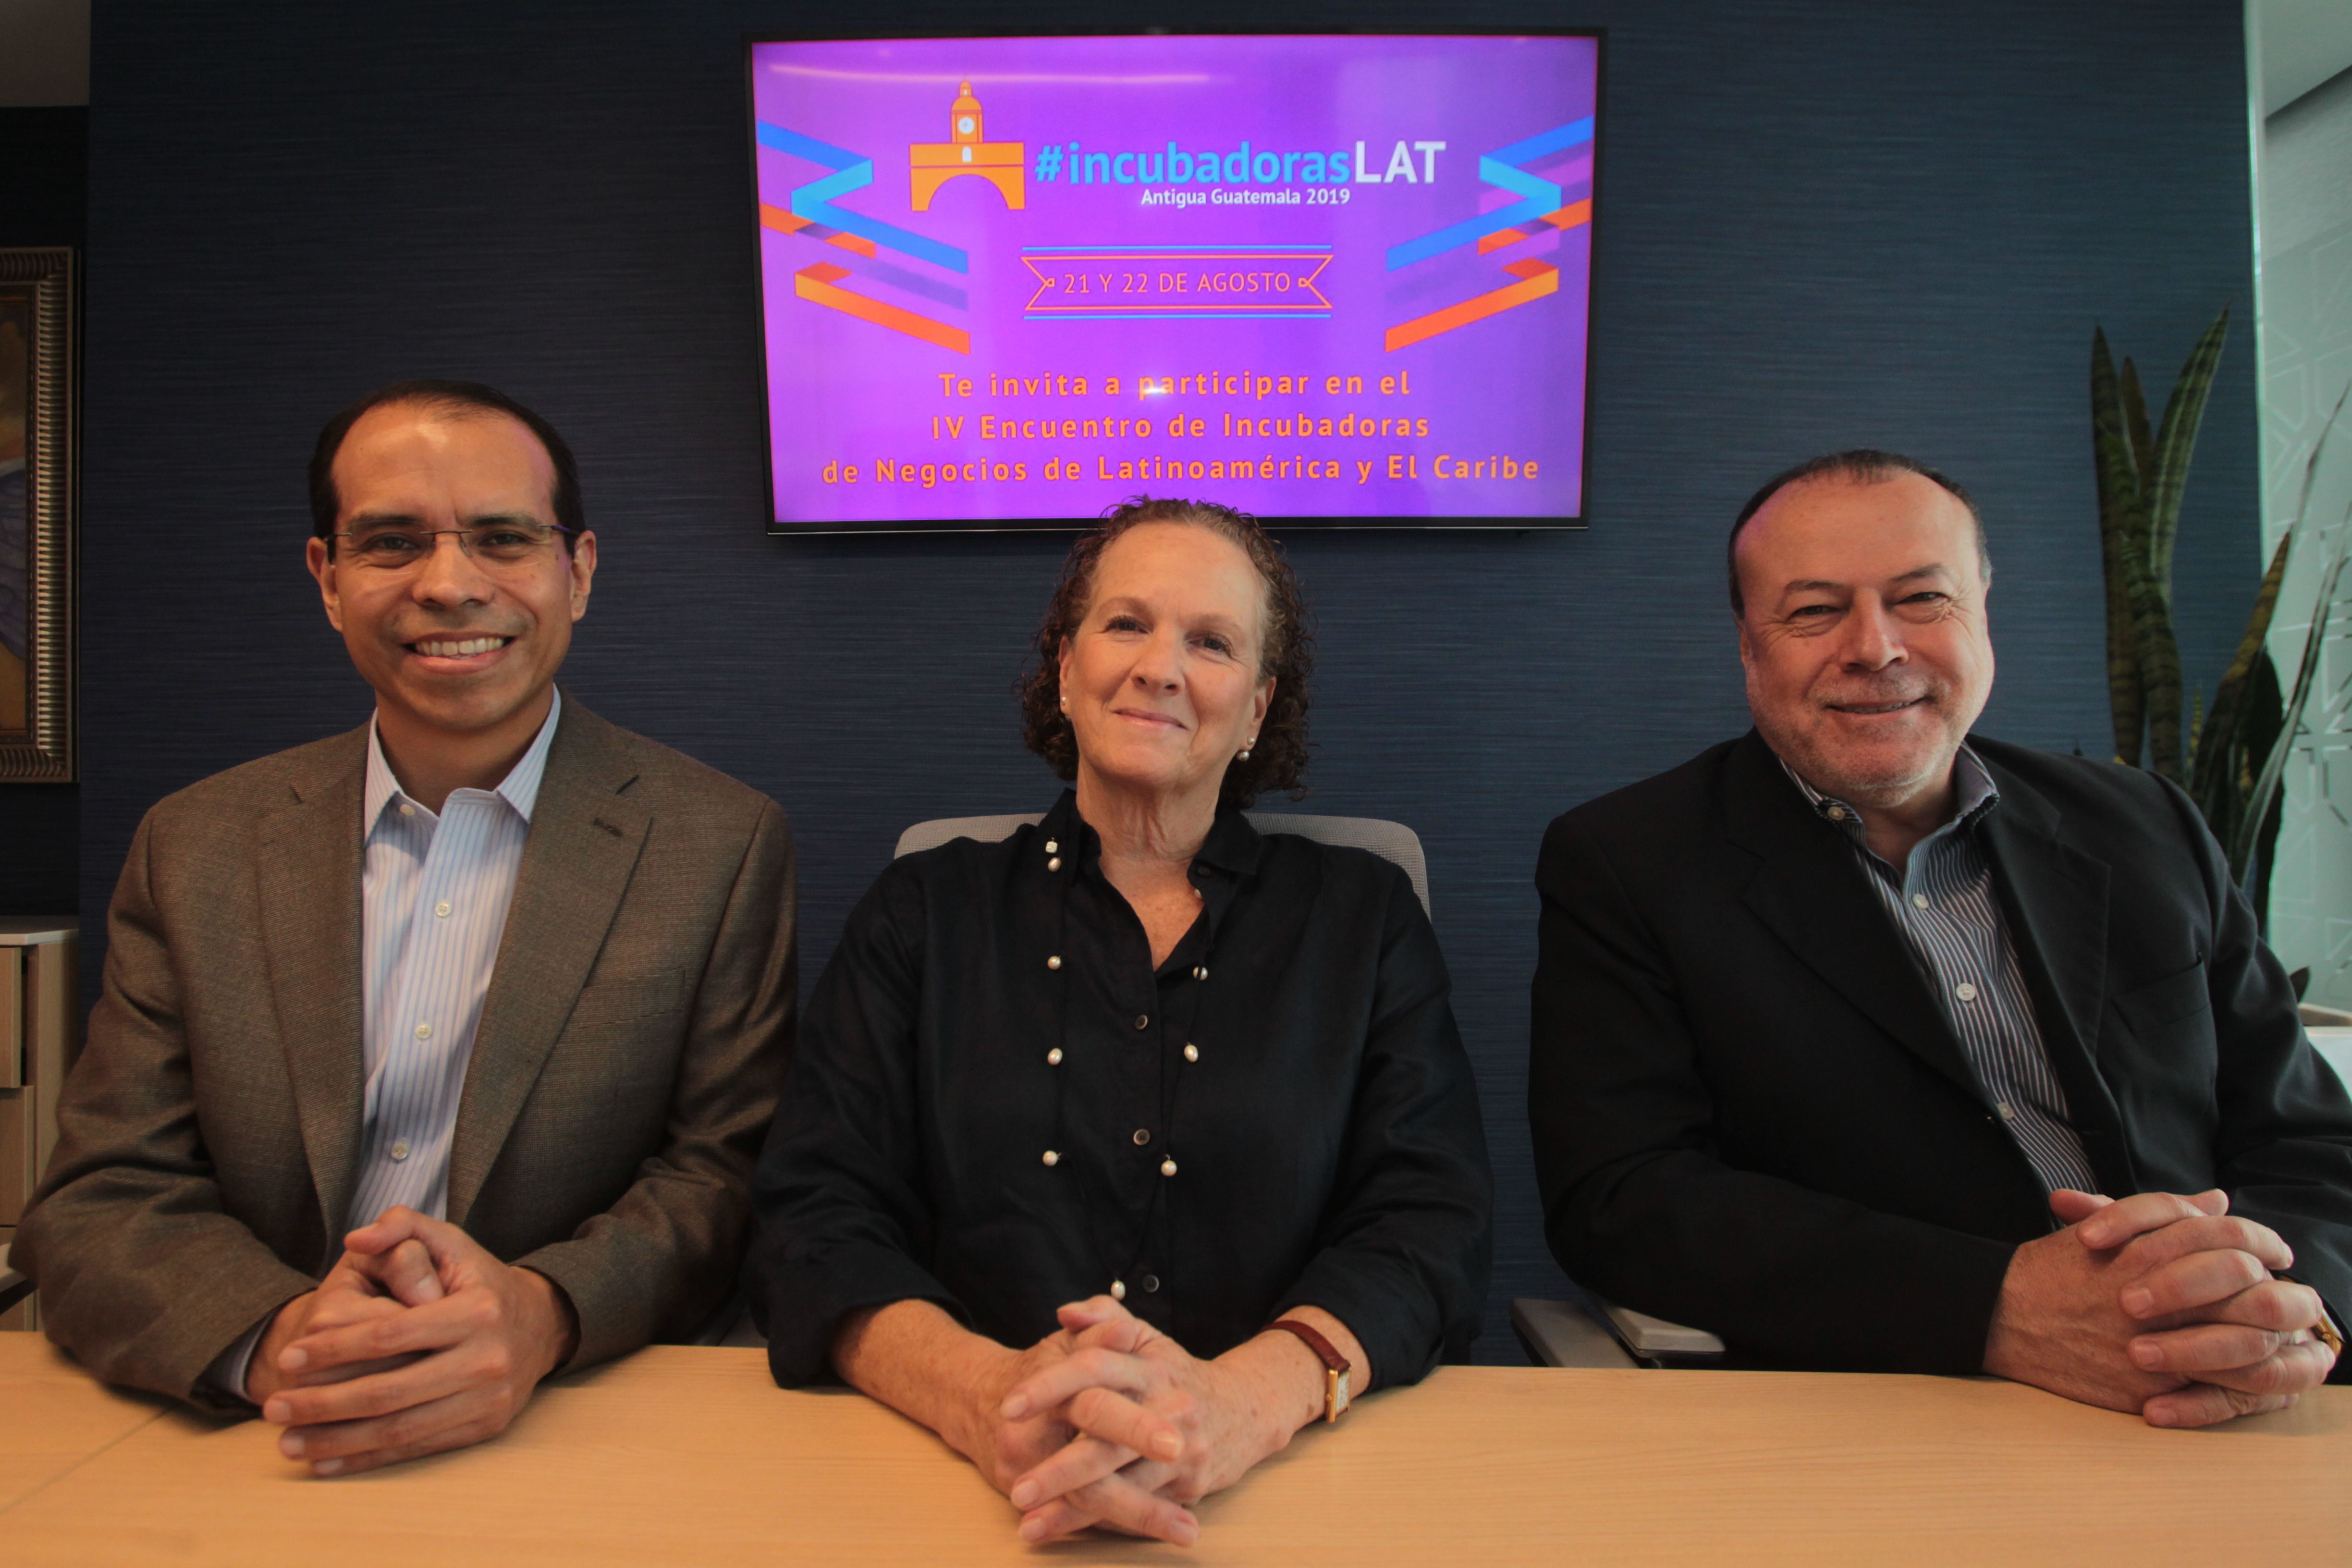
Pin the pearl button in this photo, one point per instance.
(1192, 1053)
(1053, 1158)
(1054, 863)
(1054, 1058)
(1919, 901)
(1142, 1021)
(1142, 1135)
(1119, 1290)
(1965, 991)
(1200, 972)
(1150, 1282)
(1053, 847)
(424, 1031)
(441, 909)
(1167, 1167)
(1055, 962)
(400, 1150)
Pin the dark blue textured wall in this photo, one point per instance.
(1820, 225)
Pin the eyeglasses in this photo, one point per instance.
(508, 545)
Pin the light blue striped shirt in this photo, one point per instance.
(1943, 903)
(433, 894)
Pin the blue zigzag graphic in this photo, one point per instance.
(1495, 168)
(853, 172)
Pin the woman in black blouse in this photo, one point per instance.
(1105, 1147)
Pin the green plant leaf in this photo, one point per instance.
(2121, 533)
(2176, 443)
(2215, 770)
(2143, 443)
(2265, 717)
(2258, 797)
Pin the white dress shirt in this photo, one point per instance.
(434, 895)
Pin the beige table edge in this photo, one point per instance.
(689, 1455)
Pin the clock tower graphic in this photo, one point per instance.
(932, 164)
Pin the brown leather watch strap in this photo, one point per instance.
(1336, 1370)
(1322, 1347)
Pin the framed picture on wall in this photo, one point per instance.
(36, 499)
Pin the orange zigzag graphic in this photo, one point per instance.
(1537, 278)
(815, 284)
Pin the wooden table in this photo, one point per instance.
(691, 1456)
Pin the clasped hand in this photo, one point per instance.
(2162, 1304)
(417, 1340)
(1110, 1421)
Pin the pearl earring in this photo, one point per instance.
(1247, 746)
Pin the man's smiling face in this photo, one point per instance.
(449, 645)
(1863, 635)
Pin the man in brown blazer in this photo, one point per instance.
(505, 988)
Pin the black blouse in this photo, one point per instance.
(998, 1105)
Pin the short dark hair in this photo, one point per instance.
(1862, 466)
(459, 398)
(1279, 761)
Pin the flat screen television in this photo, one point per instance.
(1331, 281)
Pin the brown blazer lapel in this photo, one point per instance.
(576, 865)
(310, 854)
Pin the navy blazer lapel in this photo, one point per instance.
(310, 854)
(2055, 898)
(1808, 892)
(581, 852)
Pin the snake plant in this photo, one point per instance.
(2236, 747)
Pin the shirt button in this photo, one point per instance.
(1055, 962)
(2006, 1113)
(406, 809)
(1965, 991)
(1143, 1135)
(1192, 1053)
(1142, 1021)
(424, 1031)
(1167, 1167)
(1200, 972)
(400, 1150)
(1054, 1058)
(1919, 901)
(1054, 863)
(1837, 814)
(441, 909)
(1053, 1158)
(1150, 1282)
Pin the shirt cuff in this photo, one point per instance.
(228, 1371)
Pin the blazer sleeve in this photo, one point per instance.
(1640, 1207)
(665, 1256)
(145, 1275)
(1408, 1239)
(2282, 1139)
(842, 1216)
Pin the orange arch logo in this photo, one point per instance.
(967, 150)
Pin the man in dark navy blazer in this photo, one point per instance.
(1871, 1046)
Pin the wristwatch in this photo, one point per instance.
(1335, 1366)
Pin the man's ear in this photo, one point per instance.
(582, 567)
(322, 567)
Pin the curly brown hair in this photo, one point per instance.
(1279, 761)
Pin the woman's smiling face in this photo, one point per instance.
(1161, 678)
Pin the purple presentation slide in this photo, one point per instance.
(1005, 282)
